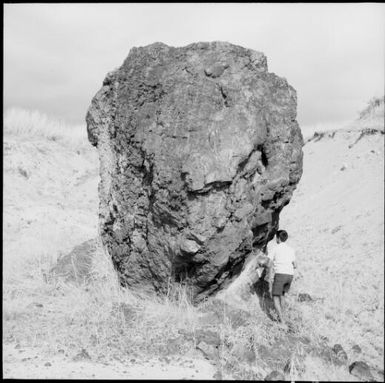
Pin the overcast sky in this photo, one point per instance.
(56, 55)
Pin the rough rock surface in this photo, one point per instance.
(199, 151)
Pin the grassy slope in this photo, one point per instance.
(50, 200)
(337, 226)
(50, 196)
(336, 219)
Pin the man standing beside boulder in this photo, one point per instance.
(283, 262)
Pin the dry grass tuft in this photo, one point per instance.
(35, 124)
(108, 321)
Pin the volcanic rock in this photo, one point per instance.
(304, 297)
(361, 370)
(340, 353)
(199, 151)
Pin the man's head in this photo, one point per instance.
(282, 236)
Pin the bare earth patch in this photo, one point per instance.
(30, 364)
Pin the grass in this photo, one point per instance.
(112, 323)
(97, 316)
(375, 106)
(25, 123)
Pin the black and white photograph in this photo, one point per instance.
(193, 191)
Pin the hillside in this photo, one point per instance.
(50, 194)
(54, 329)
(336, 223)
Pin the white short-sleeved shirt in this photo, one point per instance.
(283, 257)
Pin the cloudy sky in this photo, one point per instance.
(56, 55)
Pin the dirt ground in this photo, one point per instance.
(31, 364)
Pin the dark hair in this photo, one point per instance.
(282, 235)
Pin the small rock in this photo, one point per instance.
(356, 349)
(76, 266)
(344, 167)
(361, 370)
(61, 351)
(337, 348)
(81, 355)
(48, 364)
(304, 297)
(275, 375)
(340, 353)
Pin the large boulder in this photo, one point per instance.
(199, 151)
